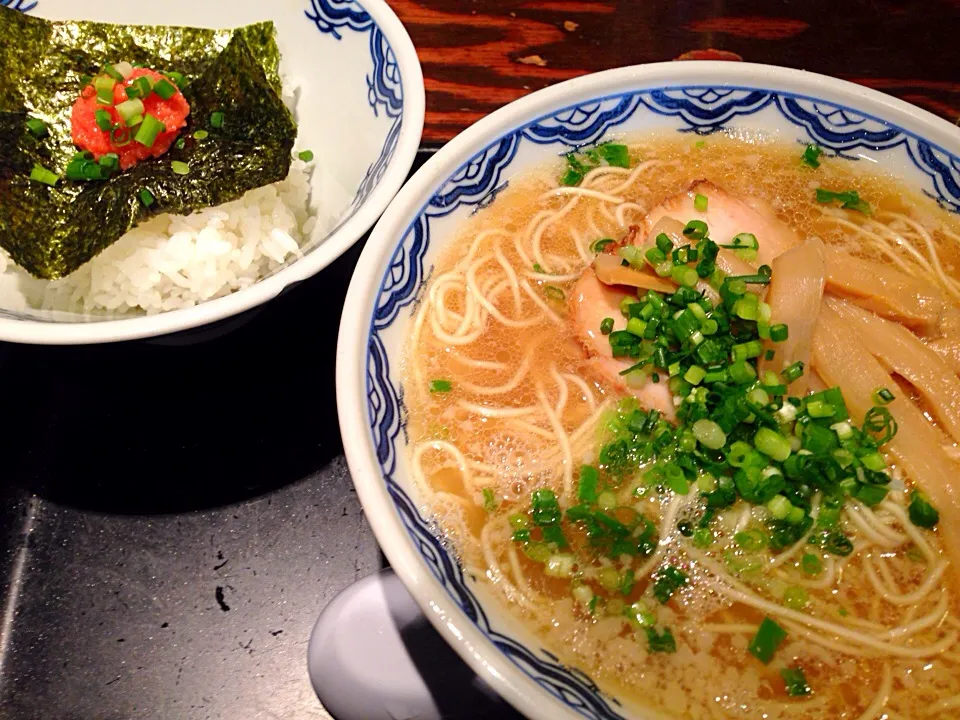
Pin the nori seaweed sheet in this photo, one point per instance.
(51, 231)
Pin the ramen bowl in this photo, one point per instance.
(353, 81)
(692, 99)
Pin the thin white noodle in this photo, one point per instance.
(564, 441)
(797, 546)
(497, 412)
(585, 192)
(882, 696)
(876, 537)
(908, 527)
(734, 590)
(480, 364)
(669, 521)
(533, 429)
(945, 704)
(547, 222)
(620, 215)
(564, 391)
(487, 304)
(508, 386)
(578, 244)
(543, 306)
(511, 273)
(634, 175)
(585, 389)
(895, 598)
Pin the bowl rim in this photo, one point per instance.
(44, 332)
(356, 323)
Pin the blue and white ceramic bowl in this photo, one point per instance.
(360, 106)
(689, 97)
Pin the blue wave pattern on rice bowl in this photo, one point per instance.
(685, 107)
(175, 262)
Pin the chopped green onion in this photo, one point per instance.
(752, 540)
(201, 135)
(684, 275)
(560, 565)
(179, 168)
(165, 89)
(146, 197)
(109, 162)
(130, 110)
(882, 396)
(667, 582)
(489, 500)
(606, 326)
(700, 202)
(811, 155)
(779, 333)
(553, 292)
(811, 564)
(124, 68)
(140, 88)
(696, 230)
(180, 144)
(793, 678)
(37, 128)
(922, 512)
(768, 638)
(849, 200)
(178, 78)
(662, 642)
(795, 598)
(440, 386)
(589, 479)
(600, 244)
(149, 130)
(709, 434)
(793, 372)
(42, 175)
(104, 120)
(114, 73)
(216, 120)
(306, 155)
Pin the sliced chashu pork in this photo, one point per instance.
(590, 302)
(726, 217)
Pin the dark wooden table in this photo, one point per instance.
(478, 55)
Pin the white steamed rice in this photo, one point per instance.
(176, 261)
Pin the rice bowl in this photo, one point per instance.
(178, 271)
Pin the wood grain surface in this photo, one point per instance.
(478, 55)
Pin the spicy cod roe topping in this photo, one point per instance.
(99, 125)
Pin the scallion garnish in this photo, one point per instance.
(216, 120)
(165, 89)
(180, 168)
(767, 640)
(113, 72)
(811, 155)
(922, 512)
(104, 120)
(38, 128)
(489, 500)
(129, 110)
(882, 396)
(793, 678)
(600, 244)
(306, 155)
(201, 135)
(146, 197)
(178, 79)
(440, 386)
(553, 292)
(700, 203)
(606, 326)
(660, 642)
(42, 175)
(150, 128)
(848, 199)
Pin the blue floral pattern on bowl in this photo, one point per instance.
(699, 110)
